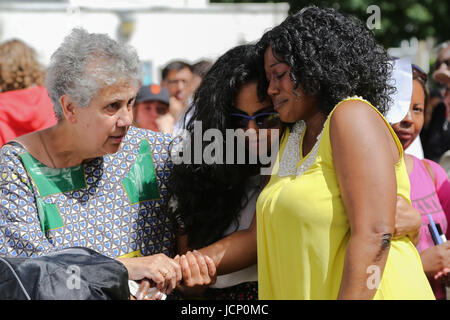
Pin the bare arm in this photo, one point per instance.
(230, 254)
(237, 250)
(365, 171)
(234, 252)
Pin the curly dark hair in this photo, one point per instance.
(210, 196)
(332, 56)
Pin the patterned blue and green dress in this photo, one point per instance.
(115, 204)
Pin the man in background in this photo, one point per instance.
(151, 109)
(177, 77)
(199, 70)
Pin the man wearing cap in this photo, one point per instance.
(151, 109)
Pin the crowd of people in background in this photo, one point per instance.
(24, 105)
(86, 160)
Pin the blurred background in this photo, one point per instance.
(161, 31)
(193, 30)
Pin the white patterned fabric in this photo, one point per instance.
(114, 204)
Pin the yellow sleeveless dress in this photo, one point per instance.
(303, 230)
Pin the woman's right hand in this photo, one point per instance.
(436, 260)
(166, 123)
(198, 271)
(159, 268)
(407, 220)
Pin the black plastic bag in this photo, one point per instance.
(69, 274)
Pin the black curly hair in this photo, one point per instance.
(209, 197)
(332, 56)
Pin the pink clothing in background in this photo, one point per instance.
(430, 199)
(24, 111)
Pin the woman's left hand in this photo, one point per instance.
(407, 220)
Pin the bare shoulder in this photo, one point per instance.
(358, 122)
(30, 141)
(356, 113)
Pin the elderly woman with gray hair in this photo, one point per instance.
(91, 180)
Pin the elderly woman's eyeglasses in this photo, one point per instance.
(264, 120)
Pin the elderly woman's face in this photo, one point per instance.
(102, 125)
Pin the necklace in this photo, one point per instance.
(291, 154)
(46, 151)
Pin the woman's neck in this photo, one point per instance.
(314, 126)
(63, 148)
(55, 147)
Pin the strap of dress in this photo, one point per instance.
(394, 135)
(430, 171)
(15, 144)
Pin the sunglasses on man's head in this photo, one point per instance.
(264, 120)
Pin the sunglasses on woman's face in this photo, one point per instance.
(264, 120)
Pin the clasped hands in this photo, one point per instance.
(190, 272)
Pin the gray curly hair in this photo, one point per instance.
(85, 63)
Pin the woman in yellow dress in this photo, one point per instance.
(326, 218)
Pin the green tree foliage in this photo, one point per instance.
(400, 19)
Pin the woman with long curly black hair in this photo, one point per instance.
(325, 220)
(218, 199)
